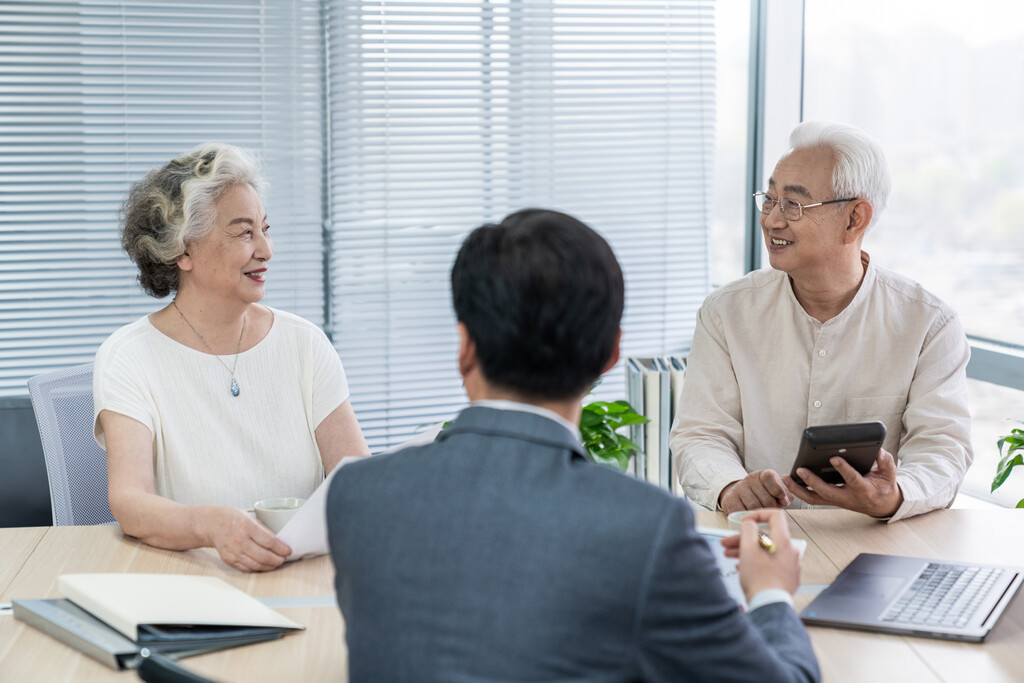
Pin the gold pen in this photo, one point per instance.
(766, 542)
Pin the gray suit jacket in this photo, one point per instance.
(500, 553)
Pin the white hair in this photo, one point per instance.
(860, 169)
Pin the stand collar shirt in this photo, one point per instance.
(761, 370)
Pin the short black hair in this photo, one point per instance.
(541, 295)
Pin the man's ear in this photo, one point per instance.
(860, 216)
(467, 351)
(614, 358)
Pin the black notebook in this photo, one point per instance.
(73, 626)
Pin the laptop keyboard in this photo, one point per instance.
(945, 595)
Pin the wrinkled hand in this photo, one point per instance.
(760, 489)
(876, 493)
(760, 569)
(244, 543)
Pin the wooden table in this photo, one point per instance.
(835, 537)
(32, 559)
(26, 654)
(16, 545)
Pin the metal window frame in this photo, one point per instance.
(996, 362)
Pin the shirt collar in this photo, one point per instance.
(501, 404)
(862, 294)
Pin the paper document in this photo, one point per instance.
(127, 601)
(727, 566)
(306, 532)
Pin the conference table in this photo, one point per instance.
(31, 559)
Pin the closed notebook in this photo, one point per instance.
(157, 607)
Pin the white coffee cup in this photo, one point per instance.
(736, 518)
(275, 512)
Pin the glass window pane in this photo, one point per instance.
(445, 115)
(732, 54)
(995, 410)
(949, 119)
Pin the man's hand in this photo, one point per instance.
(876, 493)
(760, 489)
(760, 569)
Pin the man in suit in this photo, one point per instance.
(499, 552)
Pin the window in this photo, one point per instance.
(92, 95)
(949, 119)
(732, 42)
(445, 114)
(995, 410)
(389, 129)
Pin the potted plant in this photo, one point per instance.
(1012, 442)
(599, 425)
(599, 429)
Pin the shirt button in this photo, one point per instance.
(817, 404)
(821, 352)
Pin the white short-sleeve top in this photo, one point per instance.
(211, 447)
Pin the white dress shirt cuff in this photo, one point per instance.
(769, 596)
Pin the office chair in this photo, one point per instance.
(76, 466)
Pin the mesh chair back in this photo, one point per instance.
(75, 464)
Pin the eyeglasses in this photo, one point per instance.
(791, 210)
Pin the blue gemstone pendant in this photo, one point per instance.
(234, 387)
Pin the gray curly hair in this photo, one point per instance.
(175, 205)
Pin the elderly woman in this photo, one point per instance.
(214, 401)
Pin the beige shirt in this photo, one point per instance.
(761, 370)
(210, 447)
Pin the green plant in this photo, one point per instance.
(599, 425)
(1013, 442)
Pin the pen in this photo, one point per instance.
(766, 542)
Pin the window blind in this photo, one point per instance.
(441, 115)
(95, 93)
(444, 114)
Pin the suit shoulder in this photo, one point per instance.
(374, 466)
(349, 476)
(641, 496)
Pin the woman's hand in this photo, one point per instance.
(241, 541)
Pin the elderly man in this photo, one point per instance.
(824, 336)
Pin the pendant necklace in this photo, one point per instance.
(234, 382)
